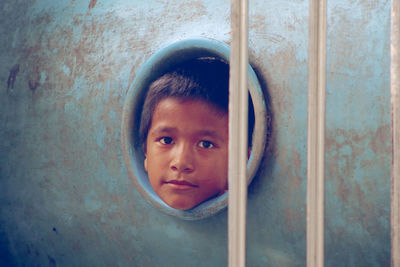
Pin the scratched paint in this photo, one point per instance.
(67, 200)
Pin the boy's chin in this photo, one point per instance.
(181, 204)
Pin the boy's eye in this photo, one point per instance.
(206, 144)
(166, 140)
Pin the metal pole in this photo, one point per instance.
(238, 108)
(395, 99)
(316, 133)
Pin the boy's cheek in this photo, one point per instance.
(145, 164)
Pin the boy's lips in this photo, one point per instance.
(180, 184)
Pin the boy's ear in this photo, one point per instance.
(145, 164)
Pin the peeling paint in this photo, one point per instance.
(92, 4)
(12, 77)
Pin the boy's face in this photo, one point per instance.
(187, 152)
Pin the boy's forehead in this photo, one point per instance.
(191, 115)
(207, 106)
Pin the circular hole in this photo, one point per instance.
(153, 68)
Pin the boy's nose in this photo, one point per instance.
(182, 160)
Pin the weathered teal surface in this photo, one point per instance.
(66, 198)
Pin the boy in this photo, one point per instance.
(184, 132)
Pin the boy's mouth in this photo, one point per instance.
(180, 184)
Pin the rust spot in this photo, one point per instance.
(34, 79)
(342, 191)
(292, 218)
(357, 191)
(12, 77)
(92, 4)
(33, 84)
(381, 142)
(47, 165)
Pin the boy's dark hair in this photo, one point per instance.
(204, 79)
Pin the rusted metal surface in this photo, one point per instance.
(66, 195)
(358, 134)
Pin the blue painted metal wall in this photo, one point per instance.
(66, 198)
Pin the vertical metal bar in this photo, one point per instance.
(238, 135)
(395, 99)
(316, 133)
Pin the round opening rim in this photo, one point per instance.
(158, 63)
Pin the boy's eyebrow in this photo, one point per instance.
(170, 130)
(212, 134)
(162, 129)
